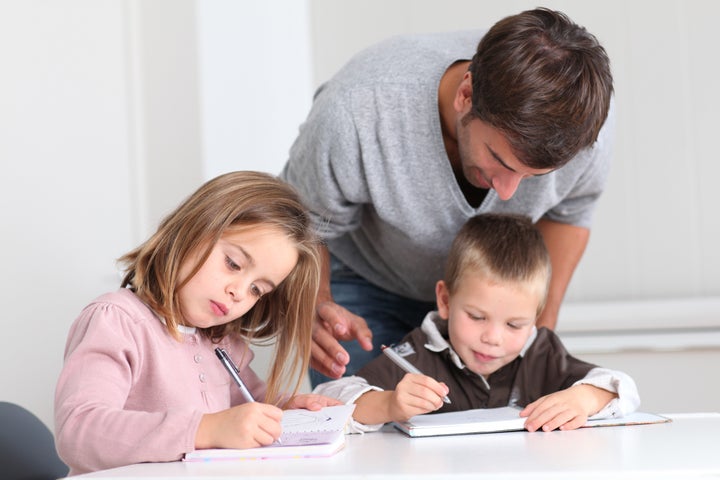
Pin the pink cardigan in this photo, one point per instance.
(129, 392)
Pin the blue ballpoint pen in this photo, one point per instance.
(234, 373)
(404, 364)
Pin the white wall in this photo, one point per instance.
(255, 82)
(67, 208)
(111, 111)
(656, 227)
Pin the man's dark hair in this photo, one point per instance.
(545, 83)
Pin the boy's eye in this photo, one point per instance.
(476, 317)
(518, 326)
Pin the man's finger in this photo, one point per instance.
(362, 333)
(327, 356)
(333, 316)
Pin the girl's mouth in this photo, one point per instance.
(218, 308)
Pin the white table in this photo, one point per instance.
(686, 448)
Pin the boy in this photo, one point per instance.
(481, 346)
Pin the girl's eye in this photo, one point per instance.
(476, 317)
(256, 291)
(513, 326)
(231, 264)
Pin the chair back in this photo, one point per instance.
(27, 446)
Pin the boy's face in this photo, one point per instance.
(488, 322)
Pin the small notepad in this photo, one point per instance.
(481, 420)
(306, 427)
(502, 419)
(305, 433)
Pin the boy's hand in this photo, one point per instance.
(311, 401)
(248, 425)
(567, 409)
(414, 395)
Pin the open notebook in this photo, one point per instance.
(502, 419)
(305, 434)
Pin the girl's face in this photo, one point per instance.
(243, 266)
(489, 323)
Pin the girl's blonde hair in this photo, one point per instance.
(501, 248)
(236, 200)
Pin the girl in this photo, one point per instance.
(236, 263)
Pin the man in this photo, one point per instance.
(419, 133)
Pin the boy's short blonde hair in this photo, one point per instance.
(502, 248)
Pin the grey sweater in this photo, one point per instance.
(371, 165)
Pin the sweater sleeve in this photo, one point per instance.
(325, 165)
(94, 427)
(578, 206)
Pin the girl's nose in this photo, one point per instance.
(234, 289)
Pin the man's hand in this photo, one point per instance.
(334, 323)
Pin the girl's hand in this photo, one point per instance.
(414, 395)
(567, 409)
(248, 425)
(311, 401)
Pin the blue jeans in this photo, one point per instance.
(389, 316)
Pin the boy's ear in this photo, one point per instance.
(442, 296)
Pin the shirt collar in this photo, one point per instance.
(184, 329)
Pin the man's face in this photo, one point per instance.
(487, 160)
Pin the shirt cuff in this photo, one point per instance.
(348, 390)
(628, 399)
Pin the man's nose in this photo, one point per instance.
(507, 185)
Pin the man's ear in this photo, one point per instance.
(463, 95)
(442, 296)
